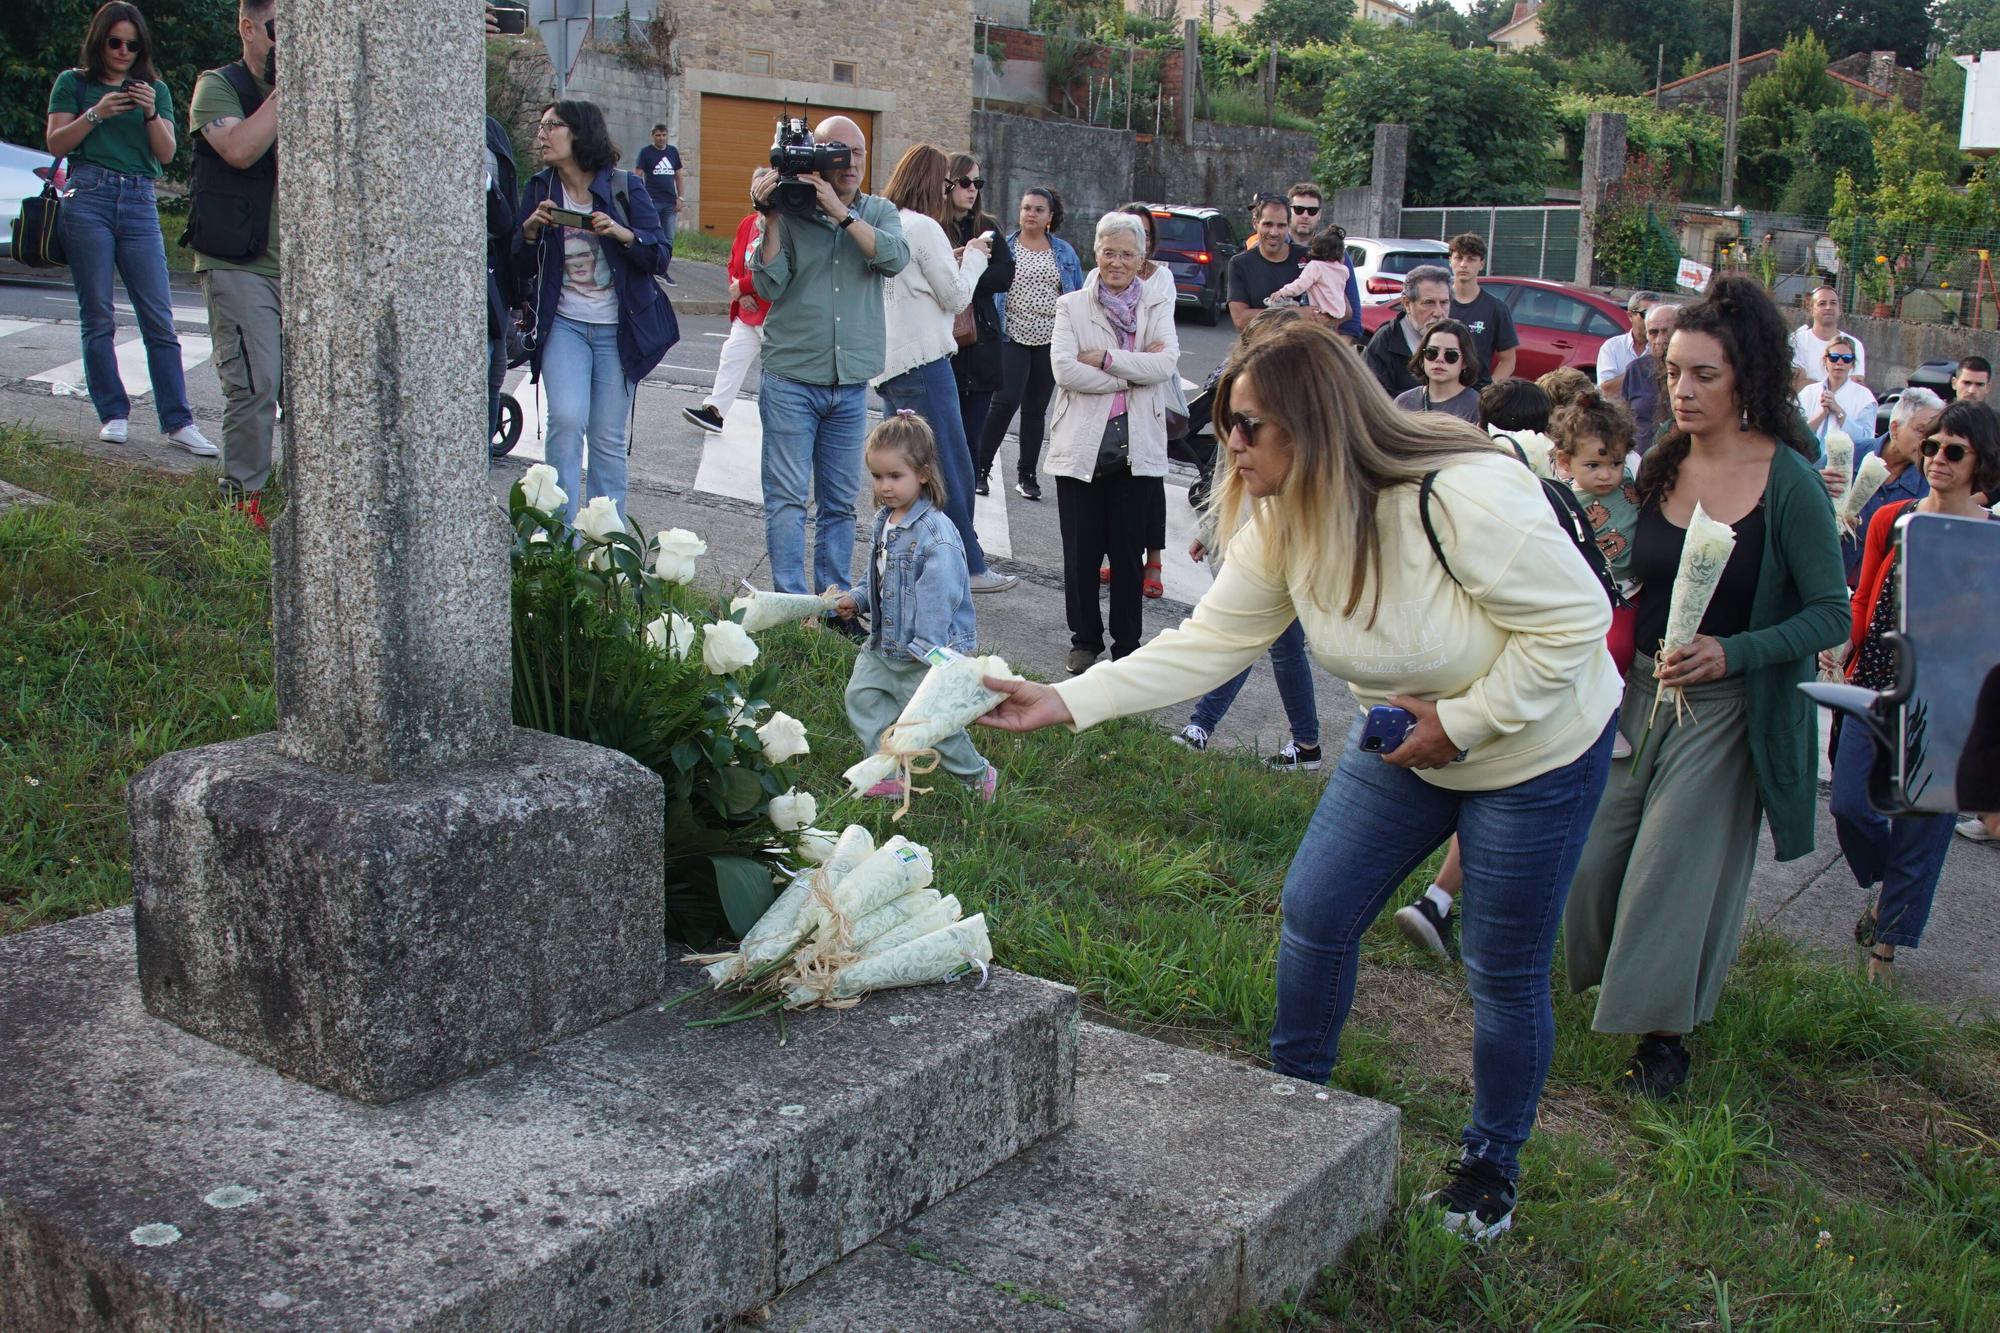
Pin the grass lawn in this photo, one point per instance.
(180, 259)
(692, 243)
(1832, 1167)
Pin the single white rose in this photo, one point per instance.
(597, 558)
(816, 845)
(726, 648)
(539, 490)
(793, 811)
(784, 737)
(671, 633)
(599, 519)
(675, 552)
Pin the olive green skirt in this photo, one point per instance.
(1656, 909)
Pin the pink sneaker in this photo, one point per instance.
(986, 784)
(887, 789)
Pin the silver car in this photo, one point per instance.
(18, 181)
(1379, 264)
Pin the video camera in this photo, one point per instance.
(796, 153)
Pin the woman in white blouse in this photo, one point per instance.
(1839, 402)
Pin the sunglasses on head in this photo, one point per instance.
(1449, 355)
(1840, 358)
(1305, 210)
(967, 182)
(120, 44)
(1243, 421)
(1953, 452)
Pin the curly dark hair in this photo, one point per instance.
(589, 137)
(1739, 314)
(1977, 425)
(1468, 361)
(1592, 413)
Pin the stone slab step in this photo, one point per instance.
(1189, 1188)
(638, 1176)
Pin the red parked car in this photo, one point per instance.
(1559, 325)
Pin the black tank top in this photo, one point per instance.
(1656, 558)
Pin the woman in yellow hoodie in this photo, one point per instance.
(1502, 667)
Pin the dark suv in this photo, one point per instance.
(1196, 244)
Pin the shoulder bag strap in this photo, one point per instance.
(1424, 489)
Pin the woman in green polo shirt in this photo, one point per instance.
(114, 121)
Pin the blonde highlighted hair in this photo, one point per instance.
(910, 435)
(1349, 445)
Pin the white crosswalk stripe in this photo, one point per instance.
(8, 327)
(68, 378)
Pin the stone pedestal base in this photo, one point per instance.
(643, 1175)
(380, 939)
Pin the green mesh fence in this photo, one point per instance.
(1520, 242)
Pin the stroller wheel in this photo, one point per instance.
(509, 434)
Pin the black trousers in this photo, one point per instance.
(1102, 518)
(1026, 384)
(1156, 514)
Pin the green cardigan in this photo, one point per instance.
(1800, 608)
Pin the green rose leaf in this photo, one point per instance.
(745, 888)
(738, 791)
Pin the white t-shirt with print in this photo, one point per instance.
(588, 295)
(1809, 353)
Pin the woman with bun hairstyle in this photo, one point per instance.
(1045, 270)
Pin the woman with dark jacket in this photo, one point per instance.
(976, 366)
(601, 322)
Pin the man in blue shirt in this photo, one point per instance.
(660, 164)
(1915, 413)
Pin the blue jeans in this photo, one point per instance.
(931, 392)
(588, 396)
(1374, 826)
(1295, 688)
(1903, 853)
(111, 224)
(812, 443)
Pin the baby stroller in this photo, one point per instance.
(507, 433)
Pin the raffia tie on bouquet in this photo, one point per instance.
(911, 761)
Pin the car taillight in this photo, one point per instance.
(1202, 257)
(1381, 286)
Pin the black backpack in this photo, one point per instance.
(1569, 517)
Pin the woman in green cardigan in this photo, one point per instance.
(1657, 905)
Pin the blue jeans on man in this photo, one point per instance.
(812, 445)
(111, 224)
(589, 400)
(1375, 825)
(1293, 670)
(1903, 853)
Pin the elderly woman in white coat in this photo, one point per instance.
(1113, 352)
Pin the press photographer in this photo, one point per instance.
(826, 251)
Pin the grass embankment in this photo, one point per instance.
(1831, 1168)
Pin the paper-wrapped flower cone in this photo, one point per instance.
(1868, 479)
(1840, 455)
(1703, 555)
(897, 867)
(783, 923)
(892, 914)
(950, 697)
(928, 958)
(937, 916)
(762, 610)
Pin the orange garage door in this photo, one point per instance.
(736, 135)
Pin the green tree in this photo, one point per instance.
(1297, 22)
(1965, 26)
(1834, 141)
(1461, 150)
(1573, 28)
(1778, 110)
(1944, 95)
(1902, 26)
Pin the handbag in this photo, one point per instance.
(965, 327)
(37, 229)
(1114, 449)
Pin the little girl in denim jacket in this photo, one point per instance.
(918, 595)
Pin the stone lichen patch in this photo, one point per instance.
(155, 1234)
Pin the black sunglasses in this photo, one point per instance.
(967, 182)
(1305, 210)
(1840, 358)
(120, 44)
(1243, 421)
(1449, 355)
(1953, 452)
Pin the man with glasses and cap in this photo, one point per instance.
(1617, 354)
(1307, 218)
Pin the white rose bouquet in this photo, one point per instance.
(1840, 458)
(950, 697)
(757, 611)
(1703, 555)
(1868, 479)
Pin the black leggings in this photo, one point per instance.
(1026, 384)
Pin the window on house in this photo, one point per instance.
(843, 72)
(759, 62)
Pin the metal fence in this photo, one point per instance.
(1537, 241)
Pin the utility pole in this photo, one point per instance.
(1659, 74)
(1729, 119)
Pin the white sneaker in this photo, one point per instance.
(1191, 736)
(993, 581)
(1975, 830)
(115, 430)
(190, 438)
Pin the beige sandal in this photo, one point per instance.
(1881, 968)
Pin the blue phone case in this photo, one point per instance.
(1386, 729)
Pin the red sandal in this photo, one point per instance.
(1151, 586)
(1104, 573)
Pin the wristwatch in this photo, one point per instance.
(90, 114)
(845, 222)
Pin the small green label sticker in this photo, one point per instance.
(906, 854)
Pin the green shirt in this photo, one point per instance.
(825, 324)
(214, 99)
(121, 143)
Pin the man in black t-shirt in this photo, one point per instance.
(1267, 265)
(660, 164)
(1491, 322)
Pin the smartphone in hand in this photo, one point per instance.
(511, 20)
(1386, 729)
(568, 217)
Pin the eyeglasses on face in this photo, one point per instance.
(550, 126)
(1953, 452)
(1306, 210)
(1448, 355)
(121, 44)
(1840, 358)
(1243, 421)
(968, 182)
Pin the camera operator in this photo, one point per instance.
(234, 113)
(822, 270)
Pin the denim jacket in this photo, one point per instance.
(924, 596)
(1069, 272)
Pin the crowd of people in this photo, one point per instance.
(1394, 510)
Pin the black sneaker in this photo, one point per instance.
(705, 417)
(668, 278)
(1478, 1201)
(1029, 488)
(850, 628)
(982, 487)
(1659, 1067)
(1295, 758)
(1426, 927)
